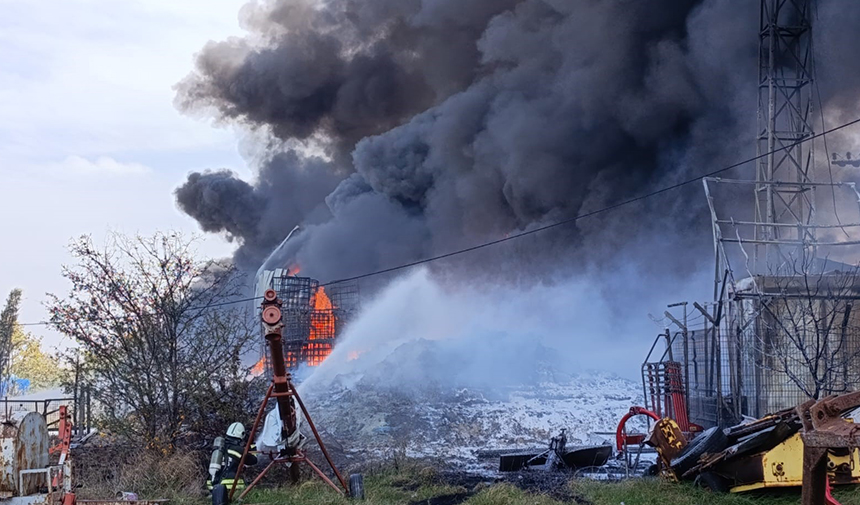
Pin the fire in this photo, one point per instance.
(322, 328)
(294, 270)
(321, 331)
(353, 355)
(259, 367)
(321, 300)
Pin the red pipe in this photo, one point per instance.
(620, 436)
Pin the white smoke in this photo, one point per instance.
(421, 332)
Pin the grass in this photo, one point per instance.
(643, 492)
(380, 493)
(394, 487)
(421, 485)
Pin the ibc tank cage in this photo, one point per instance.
(314, 316)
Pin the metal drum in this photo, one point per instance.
(23, 446)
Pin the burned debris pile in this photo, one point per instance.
(813, 445)
(558, 456)
(427, 418)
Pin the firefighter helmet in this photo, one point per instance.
(236, 430)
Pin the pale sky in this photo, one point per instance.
(89, 139)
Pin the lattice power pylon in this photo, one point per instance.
(785, 236)
(784, 190)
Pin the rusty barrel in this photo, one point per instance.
(24, 445)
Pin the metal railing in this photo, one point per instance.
(49, 408)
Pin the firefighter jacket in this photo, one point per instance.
(233, 448)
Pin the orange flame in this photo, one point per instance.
(353, 355)
(321, 300)
(259, 367)
(322, 327)
(294, 270)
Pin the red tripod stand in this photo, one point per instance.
(285, 394)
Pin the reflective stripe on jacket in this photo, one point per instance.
(240, 484)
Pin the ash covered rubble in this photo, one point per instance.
(384, 414)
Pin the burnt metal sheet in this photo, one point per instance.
(573, 457)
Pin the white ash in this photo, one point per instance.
(372, 417)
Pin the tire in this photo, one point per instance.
(711, 441)
(220, 495)
(764, 440)
(356, 486)
(712, 482)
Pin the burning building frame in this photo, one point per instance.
(314, 316)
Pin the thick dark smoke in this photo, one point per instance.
(444, 123)
(342, 71)
(257, 214)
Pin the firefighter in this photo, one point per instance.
(225, 462)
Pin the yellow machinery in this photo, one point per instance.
(808, 446)
(782, 466)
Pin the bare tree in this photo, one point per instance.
(807, 325)
(8, 324)
(160, 340)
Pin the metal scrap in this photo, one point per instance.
(825, 430)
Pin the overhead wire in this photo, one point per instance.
(556, 224)
(817, 87)
(594, 212)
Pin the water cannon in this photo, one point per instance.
(288, 402)
(271, 309)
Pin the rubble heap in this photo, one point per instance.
(381, 413)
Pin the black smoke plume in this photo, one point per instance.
(443, 123)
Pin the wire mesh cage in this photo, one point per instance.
(755, 370)
(344, 296)
(314, 316)
(294, 292)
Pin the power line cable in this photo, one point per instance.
(594, 212)
(557, 224)
(817, 89)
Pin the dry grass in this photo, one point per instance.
(178, 477)
(654, 492)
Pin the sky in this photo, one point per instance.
(90, 141)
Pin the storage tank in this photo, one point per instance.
(23, 446)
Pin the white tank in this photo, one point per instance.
(23, 446)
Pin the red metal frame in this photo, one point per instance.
(286, 396)
(64, 433)
(64, 443)
(63, 447)
(828, 496)
(623, 439)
